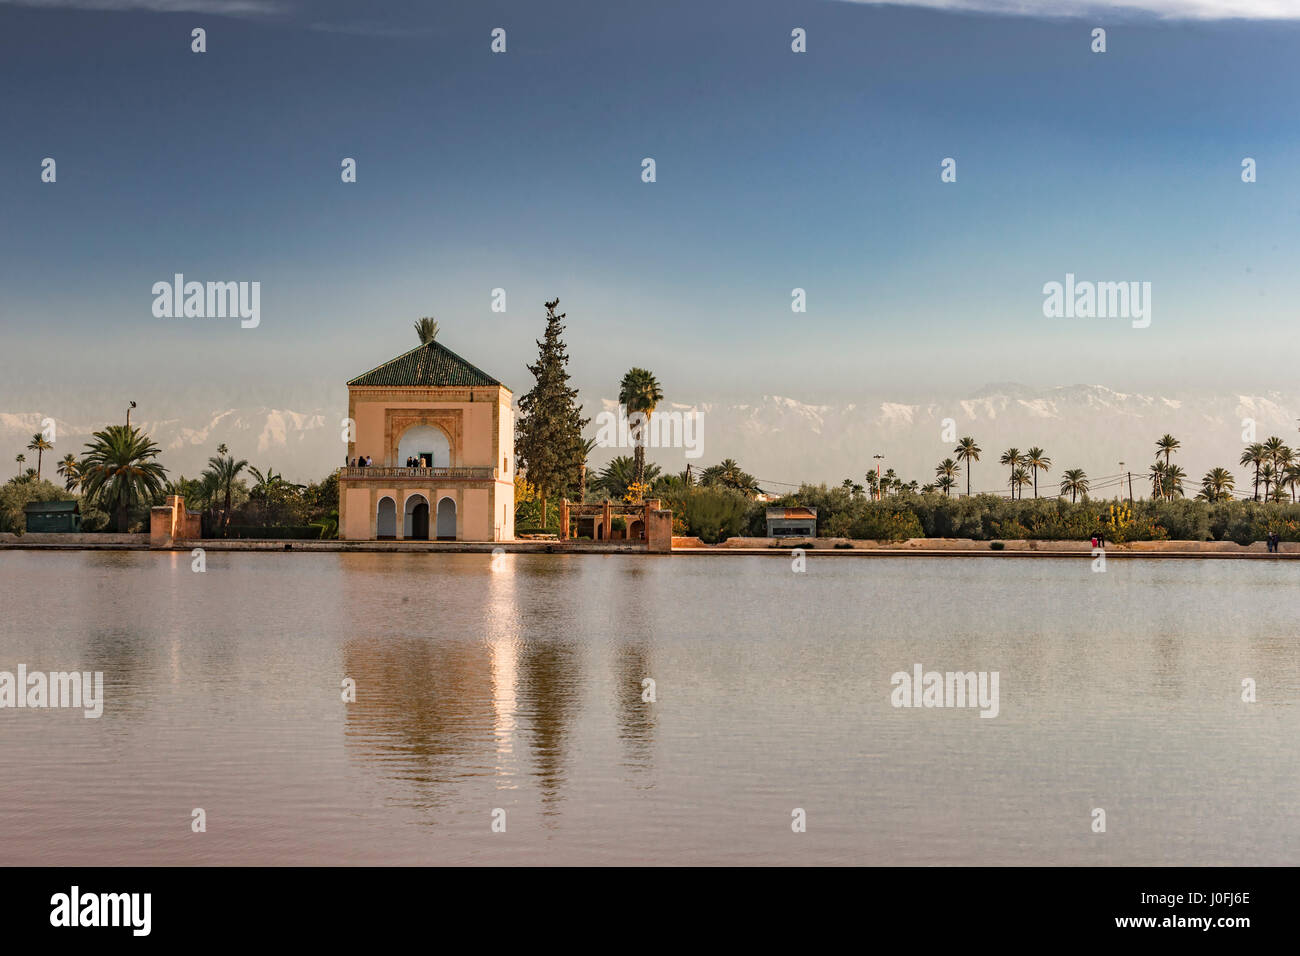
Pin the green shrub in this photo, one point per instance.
(295, 532)
(713, 513)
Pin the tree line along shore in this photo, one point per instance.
(119, 476)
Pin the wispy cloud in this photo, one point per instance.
(1164, 9)
(229, 8)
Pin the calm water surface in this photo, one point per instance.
(521, 689)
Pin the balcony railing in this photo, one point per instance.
(477, 472)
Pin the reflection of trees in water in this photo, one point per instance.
(129, 661)
(423, 711)
(549, 684)
(1167, 649)
(636, 717)
(638, 622)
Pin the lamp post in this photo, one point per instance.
(128, 415)
(879, 459)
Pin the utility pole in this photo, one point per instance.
(1130, 485)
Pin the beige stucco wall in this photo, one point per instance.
(476, 448)
(357, 525)
(476, 516)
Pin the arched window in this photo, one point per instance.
(425, 442)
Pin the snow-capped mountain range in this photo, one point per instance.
(784, 440)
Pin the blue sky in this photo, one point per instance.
(775, 171)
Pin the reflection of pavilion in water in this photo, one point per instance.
(429, 713)
(434, 710)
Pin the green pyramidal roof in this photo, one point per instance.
(427, 364)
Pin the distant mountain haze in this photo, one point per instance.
(781, 440)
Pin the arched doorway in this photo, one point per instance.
(417, 518)
(636, 530)
(386, 519)
(447, 520)
(426, 443)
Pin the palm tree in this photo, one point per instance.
(1217, 485)
(1157, 475)
(873, 483)
(1272, 447)
(944, 484)
(1280, 455)
(1019, 478)
(1074, 481)
(1035, 458)
(70, 471)
(617, 477)
(1266, 475)
(40, 445)
(1012, 459)
(1167, 444)
(852, 487)
(1285, 459)
(947, 469)
(224, 471)
(426, 329)
(118, 469)
(1174, 476)
(888, 481)
(20, 458)
(729, 474)
(1254, 455)
(967, 451)
(639, 393)
(1292, 477)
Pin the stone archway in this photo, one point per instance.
(386, 518)
(446, 519)
(416, 518)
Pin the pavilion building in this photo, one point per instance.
(440, 435)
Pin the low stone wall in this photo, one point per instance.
(970, 544)
(681, 545)
(81, 540)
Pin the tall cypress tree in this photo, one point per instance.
(548, 435)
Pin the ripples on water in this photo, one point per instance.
(521, 689)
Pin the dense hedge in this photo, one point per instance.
(990, 517)
(297, 532)
(715, 513)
